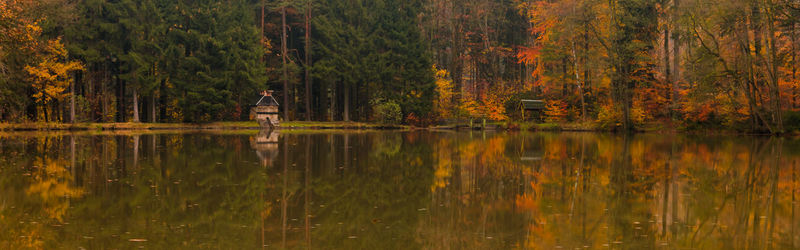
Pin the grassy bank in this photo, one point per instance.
(338, 125)
(349, 126)
(40, 126)
(187, 126)
(524, 126)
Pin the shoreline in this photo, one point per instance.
(657, 128)
(248, 125)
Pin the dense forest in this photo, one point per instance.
(619, 64)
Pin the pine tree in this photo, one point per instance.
(635, 26)
(376, 49)
(214, 58)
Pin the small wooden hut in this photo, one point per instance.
(265, 111)
(526, 105)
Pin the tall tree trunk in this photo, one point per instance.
(120, 100)
(261, 37)
(333, 100)
(577, 71)
(104, 100)
(628, 90)
(285, 70)
(578, 82)
(153, 108)
(72, 101)
(44, 110)
(587, 81)
(162, 100)
(346, 90)
(773, 67)
(793, 37)
(564, 75)
(676, 50)
(135, 106)
(667, 72)
(308, 61)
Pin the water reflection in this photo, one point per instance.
(379, 190)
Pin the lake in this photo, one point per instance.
(397, 190)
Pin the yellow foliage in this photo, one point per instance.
(51, 76)
(610, 116)
(444, 105)
(18, 31)
(490, 105)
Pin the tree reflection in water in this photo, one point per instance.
(396, 190)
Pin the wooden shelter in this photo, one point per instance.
(526, 105)
(265, 111)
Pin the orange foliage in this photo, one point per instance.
(653, 100)
(489, 105)
(790, 90)
(414, 120)
(724, 108)
(542, 23)
(555, 111)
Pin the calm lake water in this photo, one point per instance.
(397, 190)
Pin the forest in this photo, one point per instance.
(616, 64)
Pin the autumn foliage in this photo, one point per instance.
(29, 56)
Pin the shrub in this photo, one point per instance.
(387, 112)
(417, 121)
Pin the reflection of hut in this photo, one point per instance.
(533, 154)
(265, 111)
(266, 146)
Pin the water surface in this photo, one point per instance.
(397, 190)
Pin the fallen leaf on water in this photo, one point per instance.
(137, 240)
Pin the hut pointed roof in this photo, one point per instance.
(266, 100)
